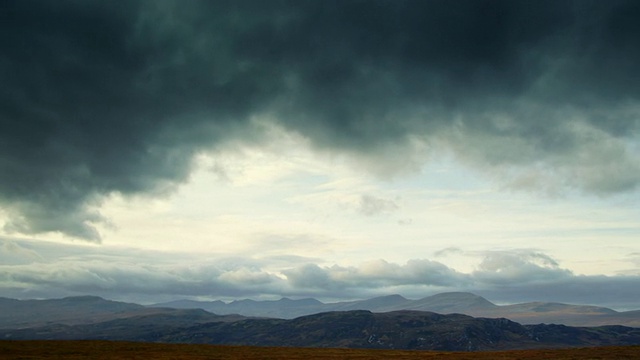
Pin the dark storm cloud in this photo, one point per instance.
(100, 97)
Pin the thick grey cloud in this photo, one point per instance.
(519, 267)
(374, 274)
(99, 97)
(39, 269)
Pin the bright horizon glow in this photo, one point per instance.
(262, 197)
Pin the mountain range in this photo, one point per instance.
(444, 303)
(384, 327)
(82, 310)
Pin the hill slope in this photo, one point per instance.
(83, 310)
(445, 303)
(351, 329)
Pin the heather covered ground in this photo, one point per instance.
(131, 350)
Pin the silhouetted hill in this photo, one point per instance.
(350, 329)
(92, 309)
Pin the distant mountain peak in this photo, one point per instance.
(307, 301)
(392, 297)
(452, 302)
(457, 294)
(84, 298)
(244, 301)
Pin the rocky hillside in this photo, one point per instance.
(348, 329)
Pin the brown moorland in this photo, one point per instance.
(84, 349)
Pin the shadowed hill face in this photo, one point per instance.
(70, 310)
(455, 302)
(351, 329)
(88, 309)
(83, 310)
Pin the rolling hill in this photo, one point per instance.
(415, 330)
(445, 303)
(80, 310)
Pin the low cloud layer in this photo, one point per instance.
(103, 97)
(37, 269)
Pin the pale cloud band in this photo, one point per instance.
(37, 269)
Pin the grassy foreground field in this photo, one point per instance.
(130, 350)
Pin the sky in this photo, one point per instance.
(160, 150)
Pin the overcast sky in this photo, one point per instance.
(155, 150)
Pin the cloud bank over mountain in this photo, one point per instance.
(102, 98)
(42, 270)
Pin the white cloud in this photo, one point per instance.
(130, 274)
(521, 267)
